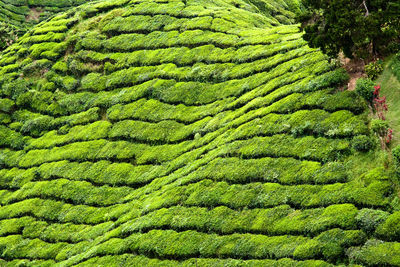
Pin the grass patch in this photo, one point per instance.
(390, 87)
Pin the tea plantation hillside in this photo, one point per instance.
(17, 16)
(23, 13)
(186, 133)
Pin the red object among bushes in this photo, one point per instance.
(381, 107)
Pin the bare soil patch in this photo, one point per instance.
(355, 68)
(34, 14)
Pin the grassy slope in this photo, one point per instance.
(391, 89)
(184, 133)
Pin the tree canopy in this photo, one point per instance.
(359, 28)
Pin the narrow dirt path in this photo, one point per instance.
(355, 68)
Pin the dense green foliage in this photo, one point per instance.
(185, 133)
(365, 89)
(379, 127)
(18, 16)
(373, 69)
(357, 27)
(362, 143)
(395, 66)
(396, 156)
(8, 34)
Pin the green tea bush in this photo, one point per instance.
(101, 173)
(94, 81)
(155, 111)
(51, 210)
(60, 66)
(8, 60)
(282, 170)
(48, 37)
(192, 243)
(395, 66)
(37, 65)
(365, 89)
(164, 131)
(102, 150)
(330, 244)
(373, 69)
(16, 88)
(396, 158)
(379, 127)
(188, 56)
(139, 260)
(31, 122)
(6, 104)
(212, 194)
(53, 28)
(11, 138)
(76, 192)
(362, 143)
(274, 221)
(288, 146)
(96, 130)
(369, 219)
(68, 233)
(389, 228)
(49, 50)
(16, 178)
(5, 118)
(36, 126)
(376, 252)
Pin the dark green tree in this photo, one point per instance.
(359, 28)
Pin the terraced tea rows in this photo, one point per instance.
(183, 133)
(19, 16)
(24, 13)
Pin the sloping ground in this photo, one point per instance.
(18, 16)
(25, 13)
(183, 133)
(391, 89)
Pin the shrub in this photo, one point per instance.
(369, 219)
(390, 228)
(282, 170)
(210, 194)
(379, 127)
(310, 148)
(330, 244)
(376, 253)
(60, 66)
(373, 69)
(6, 104)
(16, 88)
(222, 220)
(365, 88)
(73, 191)
(362, 143)
(10, 138)
(8, 34)
(36, 126)
(395, 66)
(68, 82)
(37, 65)
(396, 157)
